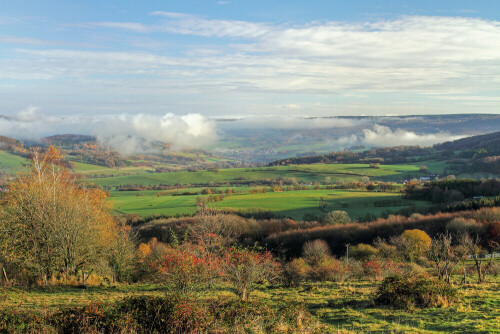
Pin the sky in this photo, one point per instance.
(237, 58)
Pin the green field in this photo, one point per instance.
(294, 204)
(12, 164)
(304, 173)
(88, 169)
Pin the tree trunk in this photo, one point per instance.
(438, 270)
(244, 294)
(5, 275)
(478, 269)
(83, 276)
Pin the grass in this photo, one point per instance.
(296, 204)
(343, 307)
(146, 203)
(12, 164)
(305, 173)
(293, 204)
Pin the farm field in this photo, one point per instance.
(294, 204)
(342, 307)
(12, 164)
(305, 173)
(89, 169)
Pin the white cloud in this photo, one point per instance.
(125, 133)
(383, 136)
(133, 133)
(132, 26)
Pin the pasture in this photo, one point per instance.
(233, 176)
(294, 204)
(13, 164)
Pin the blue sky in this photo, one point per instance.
(249, 57)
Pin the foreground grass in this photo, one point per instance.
(342, 307)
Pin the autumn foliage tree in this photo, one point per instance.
(415, 243)
(50, 224)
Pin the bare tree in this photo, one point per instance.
(473, 246)
(443, 255)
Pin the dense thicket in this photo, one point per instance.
(444, 191)
(290, 243)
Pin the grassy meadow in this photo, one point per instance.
(345, 307)
(13, 164)
(294, 204)
(305, 173)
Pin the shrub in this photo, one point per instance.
(372, 269)
(385, 250)
(363, 252)
(184, 266)
(494, 233)
(245, 268)
(173, 314)
(315, 251)
(492, 268)
(337, 217)
(329, 269)
(410, 291)
(460, 226)
(295, 272)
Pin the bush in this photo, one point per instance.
(410, 291)
(329, 269)
(363, 252)
(315, 251)
(170, 314)
(245, 268)
(337, 217)
(295, 272)
(460, 226)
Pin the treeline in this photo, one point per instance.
(68, 140)
(289, 243)
(7, 143)
(391, 155)
(451, 190)
(285, 237)
(106, 158)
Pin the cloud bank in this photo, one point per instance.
(383, 136)
(134, 133)
(125, 133)
(131, 134)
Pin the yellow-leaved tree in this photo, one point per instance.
(415, 243)
(51, 224)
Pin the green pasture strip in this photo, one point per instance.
(12, 164)
(304, 173)
(293, 204)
